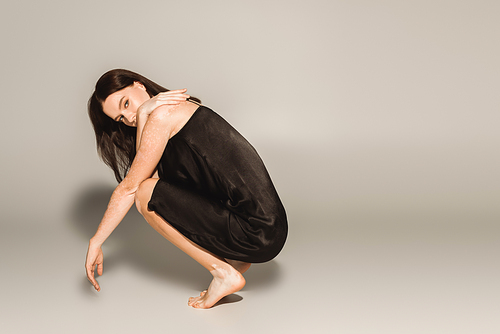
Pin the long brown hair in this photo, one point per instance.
(115, 140)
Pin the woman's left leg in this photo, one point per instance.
(227, 279)
(239, 265)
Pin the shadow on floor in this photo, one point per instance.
(134, 243)
(234, 298)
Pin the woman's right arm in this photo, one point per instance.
(156, 133)
(120, 203)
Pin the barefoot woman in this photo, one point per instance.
(192, 176)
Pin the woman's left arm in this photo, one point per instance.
(171, 97)
(156, 133)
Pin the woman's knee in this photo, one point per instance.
(143, 195)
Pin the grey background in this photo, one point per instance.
(378, 122)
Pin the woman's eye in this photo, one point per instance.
(126, 104)
(121, 119)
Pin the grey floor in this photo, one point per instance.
(342, 271)
(359, 277)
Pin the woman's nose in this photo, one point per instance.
(129, 115)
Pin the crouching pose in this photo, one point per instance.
(192, 176)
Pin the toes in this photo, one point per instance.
(196, 300)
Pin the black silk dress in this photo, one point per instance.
(216, 191)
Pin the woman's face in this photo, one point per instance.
(122, 105)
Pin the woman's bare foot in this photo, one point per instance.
(239, 265)
(226, 281)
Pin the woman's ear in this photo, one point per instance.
(140, 85)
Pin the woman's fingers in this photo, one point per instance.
(175, 91)
(91, 278)
(178, 93)
(100, 267)
(169, 101)
(173, 97)
(94, 257)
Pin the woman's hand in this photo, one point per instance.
(172, 97)
(94, 257)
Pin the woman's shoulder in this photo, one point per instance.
(174, 117)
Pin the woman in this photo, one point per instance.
(192, 176)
